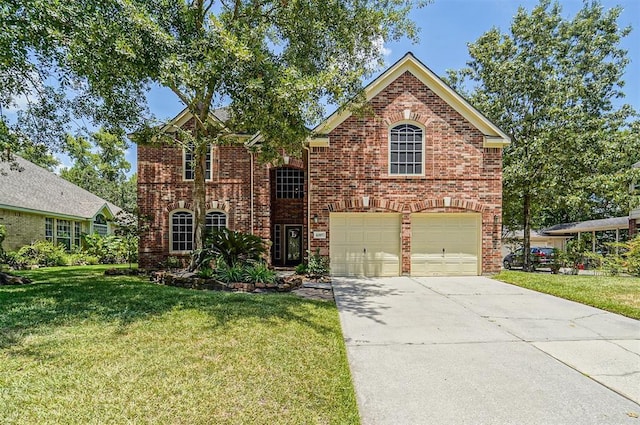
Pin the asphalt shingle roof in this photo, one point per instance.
(38, 189)
(589, 226)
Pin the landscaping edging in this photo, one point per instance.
(192, 281)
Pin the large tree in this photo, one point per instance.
(553, 84)
(275, 63)
(99, 166)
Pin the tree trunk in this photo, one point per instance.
(199, 198)
(526, 215)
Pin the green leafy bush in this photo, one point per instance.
(230, 274)
(108, 249)
(318, 265)
(301, 268)
(236, 247)
(42, 253)
(259, 272)
(3, 234)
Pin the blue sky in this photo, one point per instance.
(447, 26)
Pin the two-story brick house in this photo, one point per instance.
(412, 186)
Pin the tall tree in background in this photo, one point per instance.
(102, 172)
(274, 62)
(552, 84)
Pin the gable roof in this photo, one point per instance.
(220, 116)
(494, 137)
(36, 189)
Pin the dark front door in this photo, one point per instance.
(293, 245)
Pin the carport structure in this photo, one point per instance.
(619, 224)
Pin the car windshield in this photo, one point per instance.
(547, 251)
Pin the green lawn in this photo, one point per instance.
(618, 294)
(78, 347)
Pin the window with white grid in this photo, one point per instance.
(406, 150)
(216, 220)
(182, 231)
(189, 166)
(289, 183)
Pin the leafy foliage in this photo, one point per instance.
(41, 253)
(230, 273)
(236, 247)
(551, 84)
(129, 227)
(102, 172)
(3, 235)
(277, 63)
(259, 272)
(318, 265)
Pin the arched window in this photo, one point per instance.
(181, 231)
(216, 220)
(100, 225)
(406, 149)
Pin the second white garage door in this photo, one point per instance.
(364, 244)
(445, 244)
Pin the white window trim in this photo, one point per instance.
(171, 250)
(424, 165)
(226, 216)
(184, 165)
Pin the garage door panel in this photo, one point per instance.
(365, 244)
(445, 244)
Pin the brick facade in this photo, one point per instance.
(22, 228)
(457, 166)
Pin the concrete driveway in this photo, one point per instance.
(471, 350)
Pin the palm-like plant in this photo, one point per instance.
(236, 247)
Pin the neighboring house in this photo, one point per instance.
(36, 204)
(412, 187)
(514, 240)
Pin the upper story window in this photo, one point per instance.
(181, 231)
(289, 183)
(189, 165)
(406, 148)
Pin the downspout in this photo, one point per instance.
(308, 197)
(251, 190)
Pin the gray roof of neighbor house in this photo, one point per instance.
(588, 226)
(37, 189)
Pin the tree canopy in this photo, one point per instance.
(555, 85)
(274, 63)
(99, 166)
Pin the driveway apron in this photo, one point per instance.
(471, 350)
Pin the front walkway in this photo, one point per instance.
(477, 351)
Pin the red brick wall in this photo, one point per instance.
(456, 166)
(162, 189)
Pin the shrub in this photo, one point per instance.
(259, 272)
(42, 253)
(206, 272)
(230, 274)
(236, 247)
(172, 263)
(318, 265)
(3, 234)
(632, 256)
(108, 249)
(301, 268)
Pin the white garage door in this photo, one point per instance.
(445, 244)
(364, 244)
